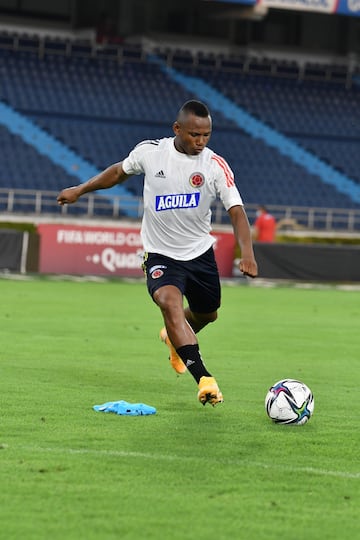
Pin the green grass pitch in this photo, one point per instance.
(188, 472)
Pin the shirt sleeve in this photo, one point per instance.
(133, 163)
(225, 183)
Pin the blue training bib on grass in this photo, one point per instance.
(126, 409)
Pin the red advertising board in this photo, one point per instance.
(111, 251)
(224, 248)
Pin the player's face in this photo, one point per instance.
(192, 133)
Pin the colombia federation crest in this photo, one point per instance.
(197, 180)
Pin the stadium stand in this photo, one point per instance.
(98, 108)
(21, 161)
(102, 101)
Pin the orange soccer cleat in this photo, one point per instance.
(209, 391)
(174, 358)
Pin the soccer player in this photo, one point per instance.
(182, 179)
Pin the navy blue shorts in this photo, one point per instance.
(198, 279)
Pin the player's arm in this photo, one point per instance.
(106, 179)
(242, 232)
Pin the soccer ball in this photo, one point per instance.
(289, 402)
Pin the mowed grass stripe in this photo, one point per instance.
(206, 459)
(188, 472)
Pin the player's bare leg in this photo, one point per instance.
(181, 336)
(177, 330)
(198, 321)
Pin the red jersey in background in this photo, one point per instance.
(265, 226)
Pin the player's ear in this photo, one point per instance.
(176, 127)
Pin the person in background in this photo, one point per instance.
(264, 226)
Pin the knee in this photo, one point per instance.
(213, 316)
(167, 298)
(206, 318)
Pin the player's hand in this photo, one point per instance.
(68, 196)
(248, 267)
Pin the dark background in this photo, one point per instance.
(207, 20)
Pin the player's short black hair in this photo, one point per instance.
(195, 107)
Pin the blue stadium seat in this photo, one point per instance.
(101, 107)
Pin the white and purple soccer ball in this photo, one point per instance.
(289, 402)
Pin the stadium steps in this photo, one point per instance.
(59, 153)
(270, 136)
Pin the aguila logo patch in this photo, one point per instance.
(197, 180)
(177, 200)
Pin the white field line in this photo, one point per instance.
(160, 457)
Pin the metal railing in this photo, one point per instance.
(35, 204)
(276, 65)
(303, 219)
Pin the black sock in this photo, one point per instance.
(191, 357)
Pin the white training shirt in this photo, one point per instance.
(178, 192)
